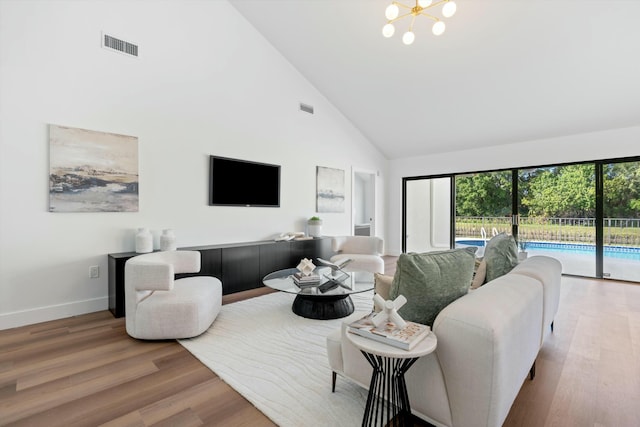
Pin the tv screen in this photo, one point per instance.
(235, 182)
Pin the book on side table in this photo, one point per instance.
(405, 338)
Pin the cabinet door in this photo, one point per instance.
(311, 249)
(274, 256)
(240, 269)
(211, 263)
(323, 248)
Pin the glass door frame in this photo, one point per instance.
(599, 202)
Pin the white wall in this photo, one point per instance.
(205, 83)
(589, 146)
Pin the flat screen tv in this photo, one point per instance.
(235, 182)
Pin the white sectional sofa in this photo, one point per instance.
(488, 341)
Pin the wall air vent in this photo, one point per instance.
(118, 45)
(306, 108)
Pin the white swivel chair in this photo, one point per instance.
(159, 307)
(364, 251)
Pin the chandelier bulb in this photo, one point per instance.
(388, 30)
(438, 28)
(449, 9)
(392, 11)
(408, 37)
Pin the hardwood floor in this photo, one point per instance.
(86, 371)
(588, 371)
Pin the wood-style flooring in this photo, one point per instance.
(588, 370)
(86, 371)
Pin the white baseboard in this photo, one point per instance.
(53, 312)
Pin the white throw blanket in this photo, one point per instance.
(278, 361)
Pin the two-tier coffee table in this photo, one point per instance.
(323, 301)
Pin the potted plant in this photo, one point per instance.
(522, 245)
(314, 226)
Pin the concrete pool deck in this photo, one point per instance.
(585, 265)
(579, 264)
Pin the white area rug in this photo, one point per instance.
(278, 361)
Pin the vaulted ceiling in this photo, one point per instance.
(504, 71)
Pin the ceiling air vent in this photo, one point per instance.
(118, 45)
(306, 108)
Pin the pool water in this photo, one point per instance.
(623, 252)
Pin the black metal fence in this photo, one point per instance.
(617, 231)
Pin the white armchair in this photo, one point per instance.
(159, 307)
(364, 251)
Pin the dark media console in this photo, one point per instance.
(240, 266)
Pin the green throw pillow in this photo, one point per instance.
(501, 255)
(430, 281)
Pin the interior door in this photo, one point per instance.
(364, 203)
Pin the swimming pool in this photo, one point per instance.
(624, 252)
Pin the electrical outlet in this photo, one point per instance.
(94, 272)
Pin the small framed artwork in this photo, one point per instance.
(329, 189)
(92, 171)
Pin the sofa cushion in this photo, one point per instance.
(431, 281)
(382, 284)
(480, 274)
(501, 255)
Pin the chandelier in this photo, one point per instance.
(422, 6)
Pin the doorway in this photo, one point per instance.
(363, 203)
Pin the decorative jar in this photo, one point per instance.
(167, 240)
(144, 241)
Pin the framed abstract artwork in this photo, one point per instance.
(329, 189)
(92, 171)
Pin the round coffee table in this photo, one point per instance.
(326, 300)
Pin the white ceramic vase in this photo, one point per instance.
(144, 241)
(167, 240)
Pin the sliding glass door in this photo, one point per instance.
(483, 207)
(587, 215)
(621, 221)
(557, 215)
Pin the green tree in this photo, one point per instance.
(484, 194)
(563, 192)
(622, 190)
